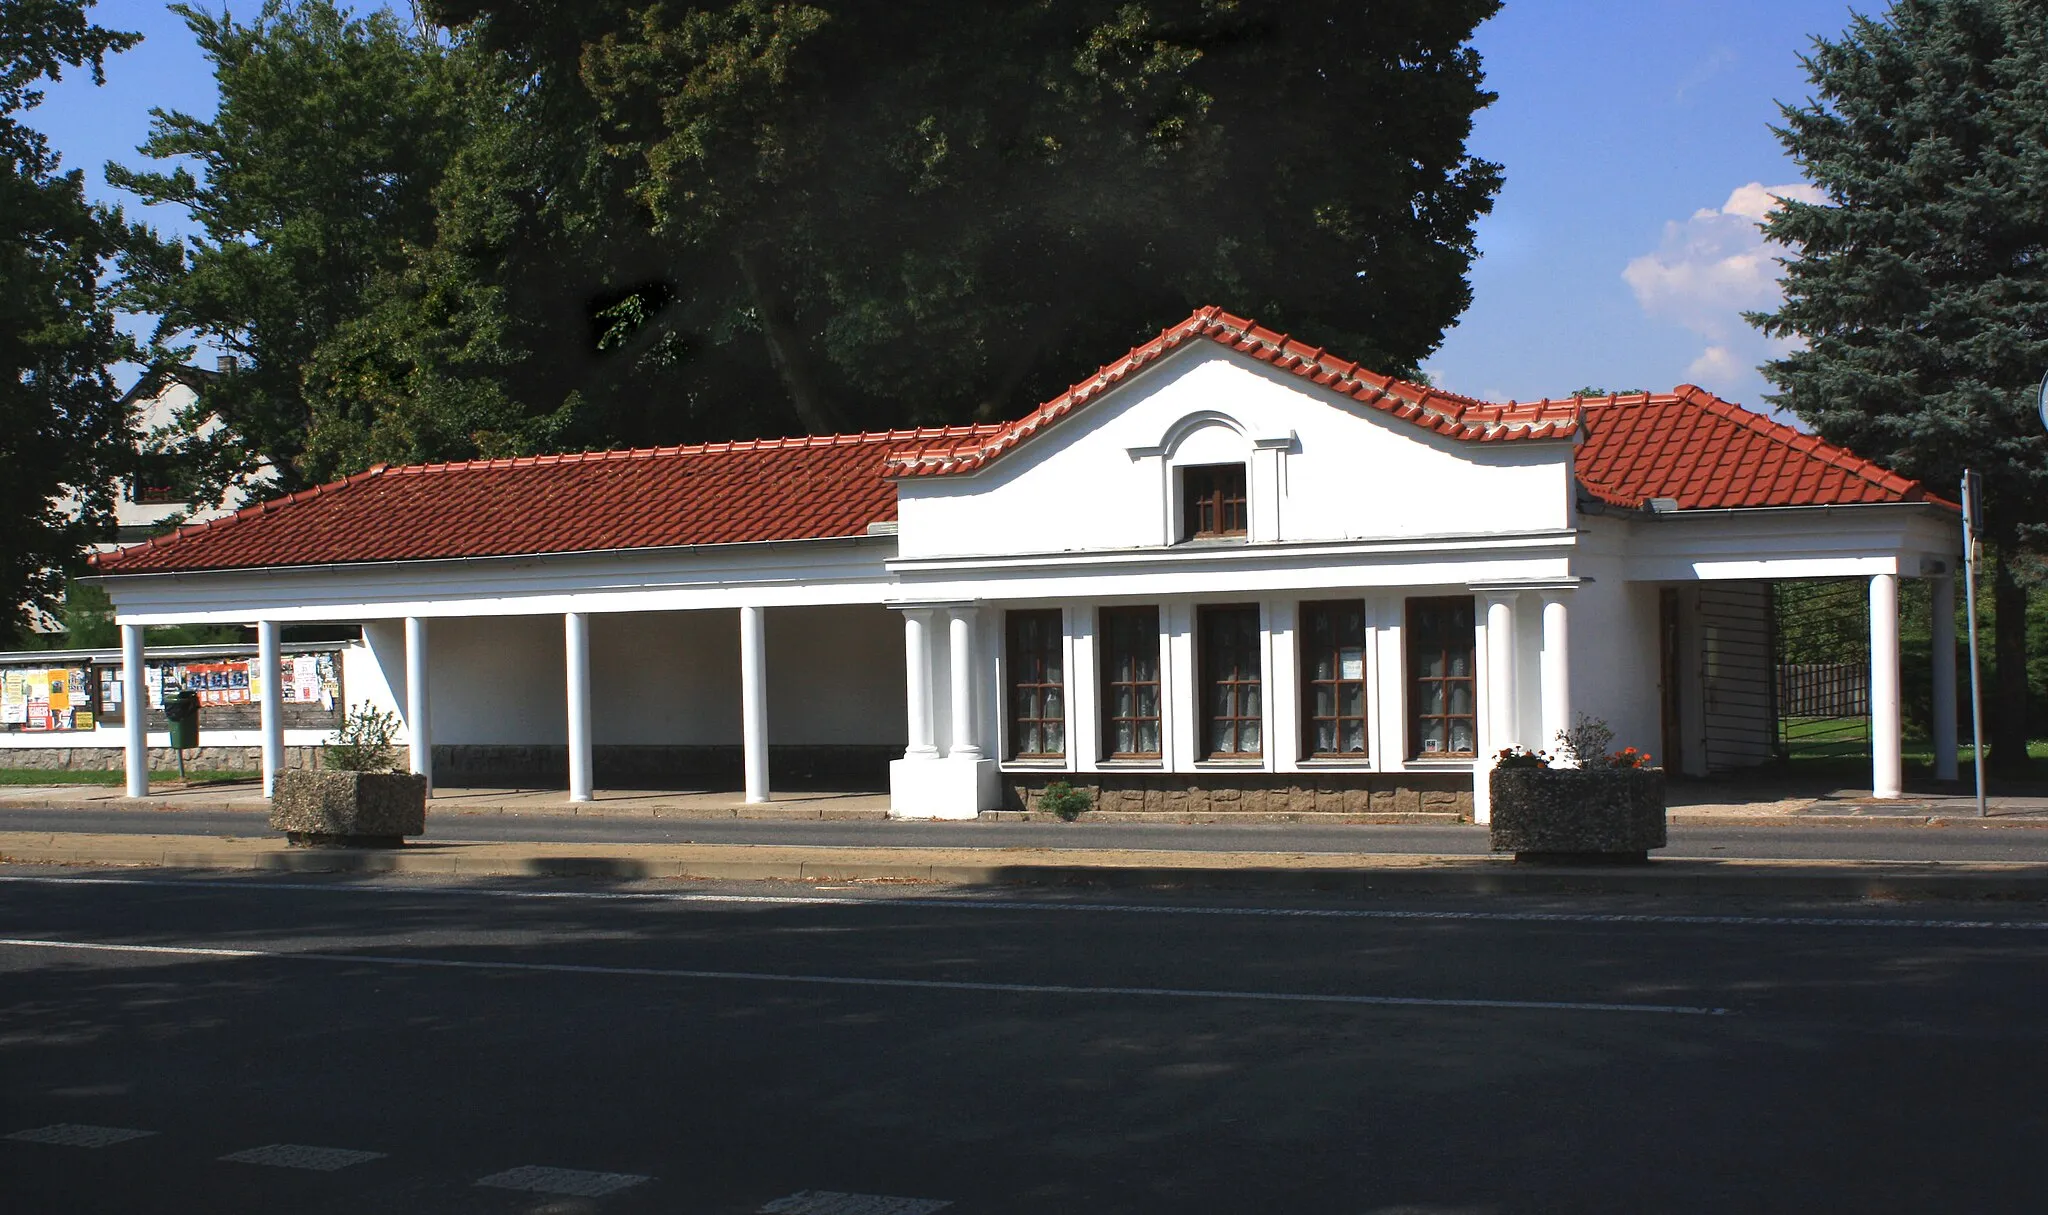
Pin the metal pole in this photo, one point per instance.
(1970, 601)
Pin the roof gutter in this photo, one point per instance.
(1732, 512)
(484, 558)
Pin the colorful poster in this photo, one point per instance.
(60, 691)
(219, 683)
(13, 698)
(328, 673)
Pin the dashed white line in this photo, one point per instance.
(832, 1202)
(742, 976)
(575, 1183)
(974, 903)
(72, 1134)
(300, 1156)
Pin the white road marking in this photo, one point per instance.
(72, 1134)
(300, 1156)
(743, 976)
(831, 1202)
(969, 902)
(576, 1183)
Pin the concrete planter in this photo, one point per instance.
(1574, 814)
(349, 809)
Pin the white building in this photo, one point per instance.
(1225, 566)
(165, 405)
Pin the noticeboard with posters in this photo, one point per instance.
(48, 699)
(85, 695)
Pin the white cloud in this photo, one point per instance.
(1716, 365)
(1710, 269)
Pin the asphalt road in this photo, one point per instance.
(737, 1049)
(1792, 842)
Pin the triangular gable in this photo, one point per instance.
(1431, 409)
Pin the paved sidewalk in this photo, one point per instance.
(552, 803)
(1274, 872)
(1691, 803)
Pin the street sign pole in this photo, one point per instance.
(1970, 602)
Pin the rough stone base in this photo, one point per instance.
(1544, 812)
(343, 804)
(1212, 795)
(161, 759)
(652, 767)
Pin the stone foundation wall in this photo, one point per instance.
(1223, 793)
(161, 759)
(625, 767)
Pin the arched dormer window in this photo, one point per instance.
(1213, 502)
(1208, 456)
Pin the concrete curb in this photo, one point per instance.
(826, 812)
(1274, 872)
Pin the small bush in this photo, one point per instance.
(1520, 757)
(1587, 742)
(363, 744)
(1063, 799)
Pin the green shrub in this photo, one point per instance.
(1063, 799)
(363, 744)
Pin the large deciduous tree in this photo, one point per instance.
(313, 185)
(1919, 289)
(920, 210)
(63, 434)
(623, 222)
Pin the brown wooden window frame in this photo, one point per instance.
(1036, 698)
(1121, 669)
(1232, 685)
(1311, 651)
(1417, 682)
(1213, 502)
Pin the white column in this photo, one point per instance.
(135, 709)
(754, 700)
(960, 669)
(1942, 593)
(1885, 724)
(576, 646)
(1557, 668)
(419, 728)
(917, 679)
(1501, 706)
(272, 705)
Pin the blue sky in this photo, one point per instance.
(1620, 254)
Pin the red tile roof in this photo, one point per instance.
(1430, 408)
(716, 493)
(1707, 453)
(1687, 445)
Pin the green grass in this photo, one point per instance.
(65, 776)
(1828, 738)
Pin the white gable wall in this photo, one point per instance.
(1320, 469)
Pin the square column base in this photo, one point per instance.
(943, 788)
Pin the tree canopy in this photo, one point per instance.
(1918, 291)
(63, 432)
(566, 226)
(311, 187)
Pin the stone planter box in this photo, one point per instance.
(1573, 814)
(349, 809)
